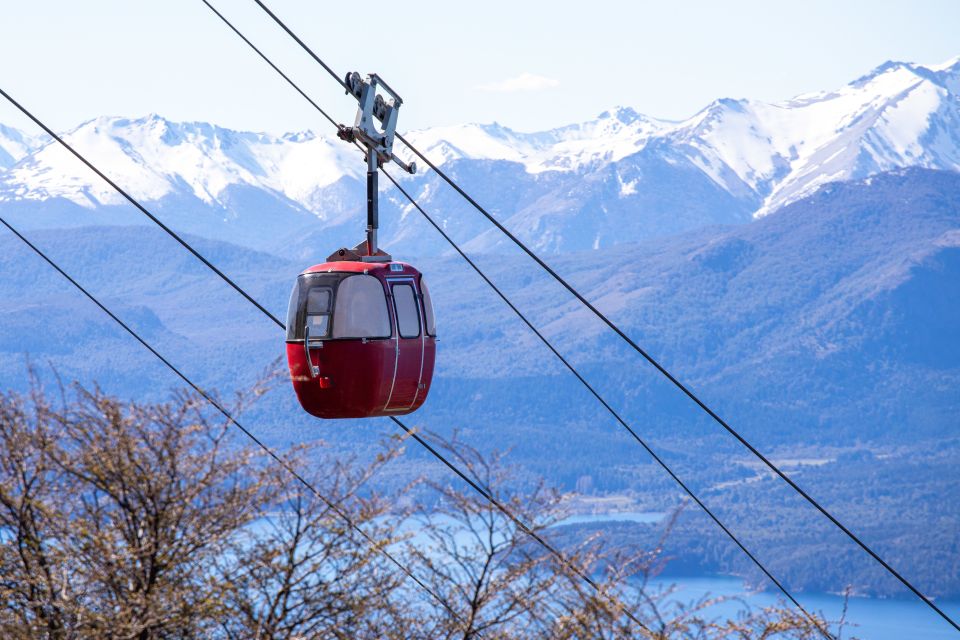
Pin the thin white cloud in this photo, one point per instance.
(523, 82)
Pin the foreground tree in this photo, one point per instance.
(36, 577)
(503, 584)
(149, 521)
(492, 573)
(122, 507)
(303, 570)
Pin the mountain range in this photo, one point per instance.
(797, 264)
(845, 300)
(824, 332)
(621, 177)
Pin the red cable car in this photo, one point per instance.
(361, 338)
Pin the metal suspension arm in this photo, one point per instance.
(378, 140)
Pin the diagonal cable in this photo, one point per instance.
(270, 452)
(173, 234)
(636, 347)
(270, 62)
(303, 45)
(276, 321)
(589, 387)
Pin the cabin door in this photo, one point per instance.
(409, 343)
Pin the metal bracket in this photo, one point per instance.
(372, 107)
(378, 140)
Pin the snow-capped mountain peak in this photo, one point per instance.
(152, 157)
(613, 135)
(899, 114)
(733, 158)
(15, 144)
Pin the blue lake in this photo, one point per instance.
(876, 619)
(867, 618)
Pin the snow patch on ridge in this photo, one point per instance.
(898, 115)
(151, 158)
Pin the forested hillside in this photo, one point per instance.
(831, 322)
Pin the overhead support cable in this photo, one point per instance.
(173, 234)
(272, 65)
(550, 346)
(303, 45)
(332, 506)
(606, 405)
(484, 493)
(636, 347)
(489, 497)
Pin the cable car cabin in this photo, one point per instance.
(361, 339)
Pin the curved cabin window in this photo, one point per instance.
(408, 312)
(319, 306)
(311, 303)
(292, 307)
(361, 309)
(428, 317)
(338, 305)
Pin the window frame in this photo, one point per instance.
(386, 309)
(425, 297)
(297, 306)
(407, 282)
(331, 290)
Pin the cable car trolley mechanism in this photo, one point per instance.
(361, 335)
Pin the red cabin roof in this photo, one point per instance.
(378, 269)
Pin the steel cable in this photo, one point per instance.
(184, 243)
(636, 347)
(219, 407)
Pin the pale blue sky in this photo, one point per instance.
(70, 61)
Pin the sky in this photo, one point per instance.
(527, 65)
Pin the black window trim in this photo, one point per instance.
(407, 281)
(331, 303)
(423, 310)
(301, 311)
